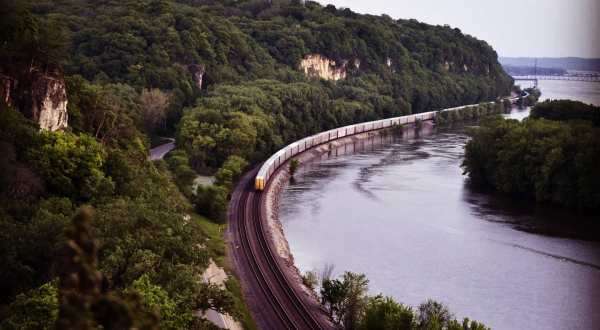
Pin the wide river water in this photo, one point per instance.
(398, 209)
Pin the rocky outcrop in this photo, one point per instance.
(197, 71)
(318, 66)
(49, 103)
(7, 84)
(41, 98)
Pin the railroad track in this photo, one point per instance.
(277, 302)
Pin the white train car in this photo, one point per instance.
(280, 157)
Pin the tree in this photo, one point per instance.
(211, 201)
(433, 315)
(231, 171)
(386, 314)
(310, 280)
(345, 299)
(356, 296)
(333, 293)
(154, 104)
(36, 309)
(156, 301)
(71, 165)
(466, 325)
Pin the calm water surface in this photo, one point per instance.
(399, 210)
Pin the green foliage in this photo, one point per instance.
(36, 309)
(83, 303)
(550, 161)
(346, 298)
(112, 113)
(466, 325)
(294, 164)
(563, 110)
(433, 315)
(310, 280)
(156, 300)
(179, 164)
(386, 314)
(29, 44)
(231, 171)
(31, 246)
(143, 229)
(71, 165)
(211, 201)
(241, 309)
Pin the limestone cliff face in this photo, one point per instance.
(6, 86)
(41, 98)
(197, 71)
(49, 103)
(316, 65)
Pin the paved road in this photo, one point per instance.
(163, 149)
(275, 299)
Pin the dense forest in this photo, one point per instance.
(222, 77)
(551, 157)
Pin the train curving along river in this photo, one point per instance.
(400, 211)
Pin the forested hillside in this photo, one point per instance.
(224, 78)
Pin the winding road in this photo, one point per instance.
(270, 291)
(160, 151)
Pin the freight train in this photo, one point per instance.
(280, 157)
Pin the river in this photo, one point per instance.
(400, 211)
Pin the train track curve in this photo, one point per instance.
(274, 297)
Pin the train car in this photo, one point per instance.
(284, 154)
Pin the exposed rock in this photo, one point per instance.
(315, 65)
(6, 86)
(49, 103)
(197, 71)
(41, 98)
(388, 62)
(446, 66)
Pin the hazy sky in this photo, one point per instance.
(537, 28)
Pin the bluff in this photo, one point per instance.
(42, 98)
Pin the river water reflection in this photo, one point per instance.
(400, 211)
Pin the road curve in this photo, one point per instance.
(275, 299)
(160, 151)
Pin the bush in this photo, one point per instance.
(211, 201)
(294, 164)
(231, 171)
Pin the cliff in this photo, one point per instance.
(42, 99)
(49, 103)
(316, 65)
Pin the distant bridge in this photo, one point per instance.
(568, 77)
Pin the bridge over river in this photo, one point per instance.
(587, 77)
